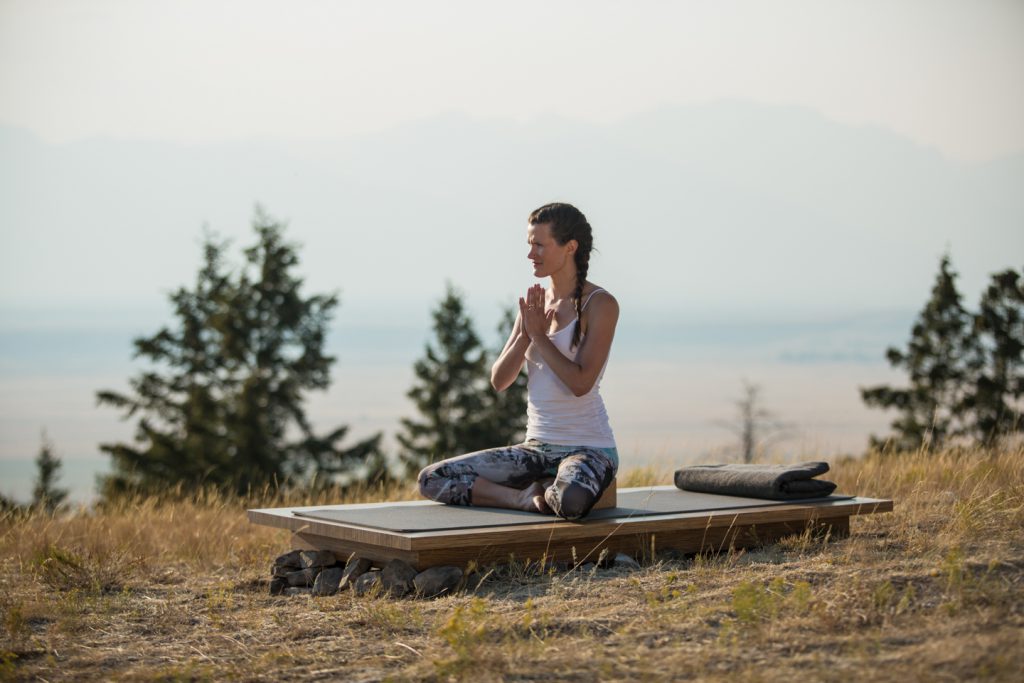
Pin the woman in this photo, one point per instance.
(564, 335)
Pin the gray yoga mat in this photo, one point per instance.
(438, 517)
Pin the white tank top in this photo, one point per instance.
(554, 414)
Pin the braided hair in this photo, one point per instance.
(568, 223)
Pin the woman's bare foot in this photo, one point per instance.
(486, 493)
(533, 499)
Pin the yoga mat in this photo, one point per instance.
(438, 517)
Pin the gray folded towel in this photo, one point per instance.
(777, 482)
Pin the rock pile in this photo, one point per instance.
(319, 572)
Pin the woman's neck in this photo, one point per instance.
(563, 283)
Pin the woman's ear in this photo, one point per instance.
(572, 246)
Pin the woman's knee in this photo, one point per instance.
(570, 502)
(427, 482)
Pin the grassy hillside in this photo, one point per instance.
(933, 590)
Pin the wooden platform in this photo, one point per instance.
(609, 497)
(760, 523)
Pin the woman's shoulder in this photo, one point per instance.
(598, 297)
(599, 307)
(595, 292)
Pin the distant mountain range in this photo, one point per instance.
(726, 209)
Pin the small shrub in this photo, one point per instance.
(389, 616)
(15, 624)
(466, 634)
(8, 665)
(755, 603)
(64, 570)
(882, 596)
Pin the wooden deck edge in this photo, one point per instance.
(609, 498)
(308, 525)
(560, 533)
(639, 543)
(567, 533)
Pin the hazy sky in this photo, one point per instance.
(945, 73)
(436, 104)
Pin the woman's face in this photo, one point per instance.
(547, 255)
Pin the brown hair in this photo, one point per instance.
(568, 223)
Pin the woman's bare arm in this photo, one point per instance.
(510, 361)
(579, 375)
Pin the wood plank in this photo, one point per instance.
(561, 530)
(653, 524)
(282, 518)
(342, 549)
(636, 544)
(714, 539)
(686, 532)
(609, 498)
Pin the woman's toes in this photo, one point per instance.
(533, 499)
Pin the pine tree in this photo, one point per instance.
(941, 359)
(222, 401)
(999, 386)
(449, 392)
(460, 411)
(9, 507)
(46, 495)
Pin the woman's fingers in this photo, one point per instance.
(529, 317)
(534, 315)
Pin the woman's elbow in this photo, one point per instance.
(497, 384)
(582, 388)
(582, 381)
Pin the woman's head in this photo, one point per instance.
(566, 223)
(567, 227)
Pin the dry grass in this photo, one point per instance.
(176, 591)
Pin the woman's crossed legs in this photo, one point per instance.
(581, 474)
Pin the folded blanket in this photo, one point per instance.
(777, 482)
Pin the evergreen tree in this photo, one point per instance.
(941, 359)
(449, 391)
(46, 495)
(460, 411)
(9, 507)
(222, 403)
(999, 386)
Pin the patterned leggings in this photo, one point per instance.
(581, 474)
